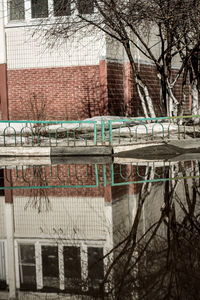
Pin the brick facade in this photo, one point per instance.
(79, 92)
(54, 93)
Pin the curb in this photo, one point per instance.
(56, 151)
(25, 151)
(81, 151)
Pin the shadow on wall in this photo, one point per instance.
(56, 93)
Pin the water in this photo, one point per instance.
(100, 231)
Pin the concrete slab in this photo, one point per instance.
(185, 144)
(134, 146)
(13, 161)
(24, 151)
(161, 152)
(185, 157)
(81, 151)
(67, 160)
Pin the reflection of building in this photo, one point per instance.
(65, 235)
(55, 240)
(56, 249)
(54, 243)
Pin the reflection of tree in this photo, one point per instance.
(39, 198)
(171, 266)
(162, 262)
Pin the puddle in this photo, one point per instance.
(100, 230)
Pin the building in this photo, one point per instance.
(81, 77)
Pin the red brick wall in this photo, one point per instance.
(149, 76)
(59, 93)
(115, 81)
(80, 92)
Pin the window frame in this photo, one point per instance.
(28, 14)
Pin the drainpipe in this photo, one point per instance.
(3, 67)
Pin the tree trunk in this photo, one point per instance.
(173, 102)
(146, 99)
(194, 94)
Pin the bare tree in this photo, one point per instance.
(164, 31)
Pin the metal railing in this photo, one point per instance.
(136, 130)
(91, 132)
(48, 133)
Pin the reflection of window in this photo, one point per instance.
(50, 267)
(27, 266)
(1, 181)
(85, 6)
(95, 266)
(62, 8)
(39, 8)
(16, 8)
(60, 267)
(72, 267)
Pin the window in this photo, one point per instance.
(27, 266)
(50, 267)
(39, 8)
(62, 8)
(85, 6)
(16, 10)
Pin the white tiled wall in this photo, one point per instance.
(27, 48)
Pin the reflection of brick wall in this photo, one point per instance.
(123, 174)
(69, 175)
(69, 93)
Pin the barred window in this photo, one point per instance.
(16, 10)
(62, 8)
(39, 8)
(85, 6)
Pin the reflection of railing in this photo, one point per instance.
(83, 176)
(91, 132)
(59, 176)
(151, 172)
(153, 129)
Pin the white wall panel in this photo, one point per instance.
(29, 49)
